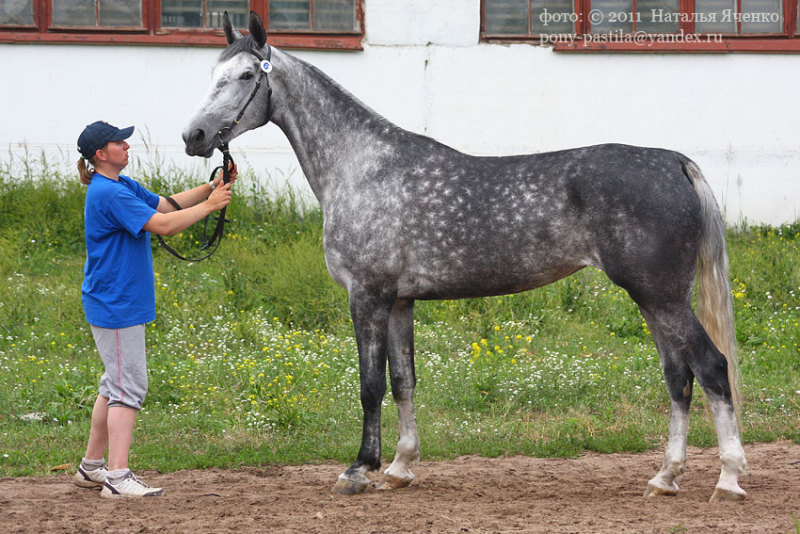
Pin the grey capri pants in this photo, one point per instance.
(124, 382)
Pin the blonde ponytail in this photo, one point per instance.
(85, 172)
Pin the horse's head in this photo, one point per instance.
(220, 115)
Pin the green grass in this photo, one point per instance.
(252, 359)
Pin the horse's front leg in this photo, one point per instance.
(370, 313)
(401, 371)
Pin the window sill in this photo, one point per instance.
(307, 41)
(644, 43)
(780, 45)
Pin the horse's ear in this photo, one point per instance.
(231, 33)
(257, 31)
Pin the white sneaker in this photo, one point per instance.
(130, 486)
(90, 479)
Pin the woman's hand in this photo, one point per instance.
(220, 196)
(234, 172)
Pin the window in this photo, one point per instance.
(290, 23)
(95, 13)
(16, 14)
(202, 14)
(325, 15)
(642, 25)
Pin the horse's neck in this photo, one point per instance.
(336, 138)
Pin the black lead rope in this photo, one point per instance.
(209, 243)
(216, 237)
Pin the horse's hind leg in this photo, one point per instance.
(401, 370)
(679, 380)
(686, 351)
(731, 453)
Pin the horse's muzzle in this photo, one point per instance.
(197, 143)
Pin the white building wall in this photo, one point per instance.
(423, 68)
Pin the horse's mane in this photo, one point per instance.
(247, 44)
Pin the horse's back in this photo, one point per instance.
(478, 226)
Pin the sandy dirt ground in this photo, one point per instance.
(592, 493)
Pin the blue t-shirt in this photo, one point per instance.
(118, 288)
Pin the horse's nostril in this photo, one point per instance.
(198, 136)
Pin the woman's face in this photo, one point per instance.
(115, 154)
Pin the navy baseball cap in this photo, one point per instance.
(96, 135)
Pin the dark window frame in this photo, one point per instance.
(788, 40)
(152, 33)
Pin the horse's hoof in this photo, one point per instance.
(655, 491)
(350, 486)
(392, 482)
(721, 495)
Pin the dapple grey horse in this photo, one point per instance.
(407, 218)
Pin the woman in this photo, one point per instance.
(118, 293)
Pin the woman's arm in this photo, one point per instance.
(173, 222)
(192, 197)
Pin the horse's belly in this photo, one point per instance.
(478, 279)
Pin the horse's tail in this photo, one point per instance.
(714, 301)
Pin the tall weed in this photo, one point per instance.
(252, 358)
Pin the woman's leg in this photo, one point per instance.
(121, 421)
(98, 435)
(124, 386)
(112, 428)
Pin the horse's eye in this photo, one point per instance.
(246, 76)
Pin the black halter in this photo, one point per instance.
(212, 243)
(265, 66)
